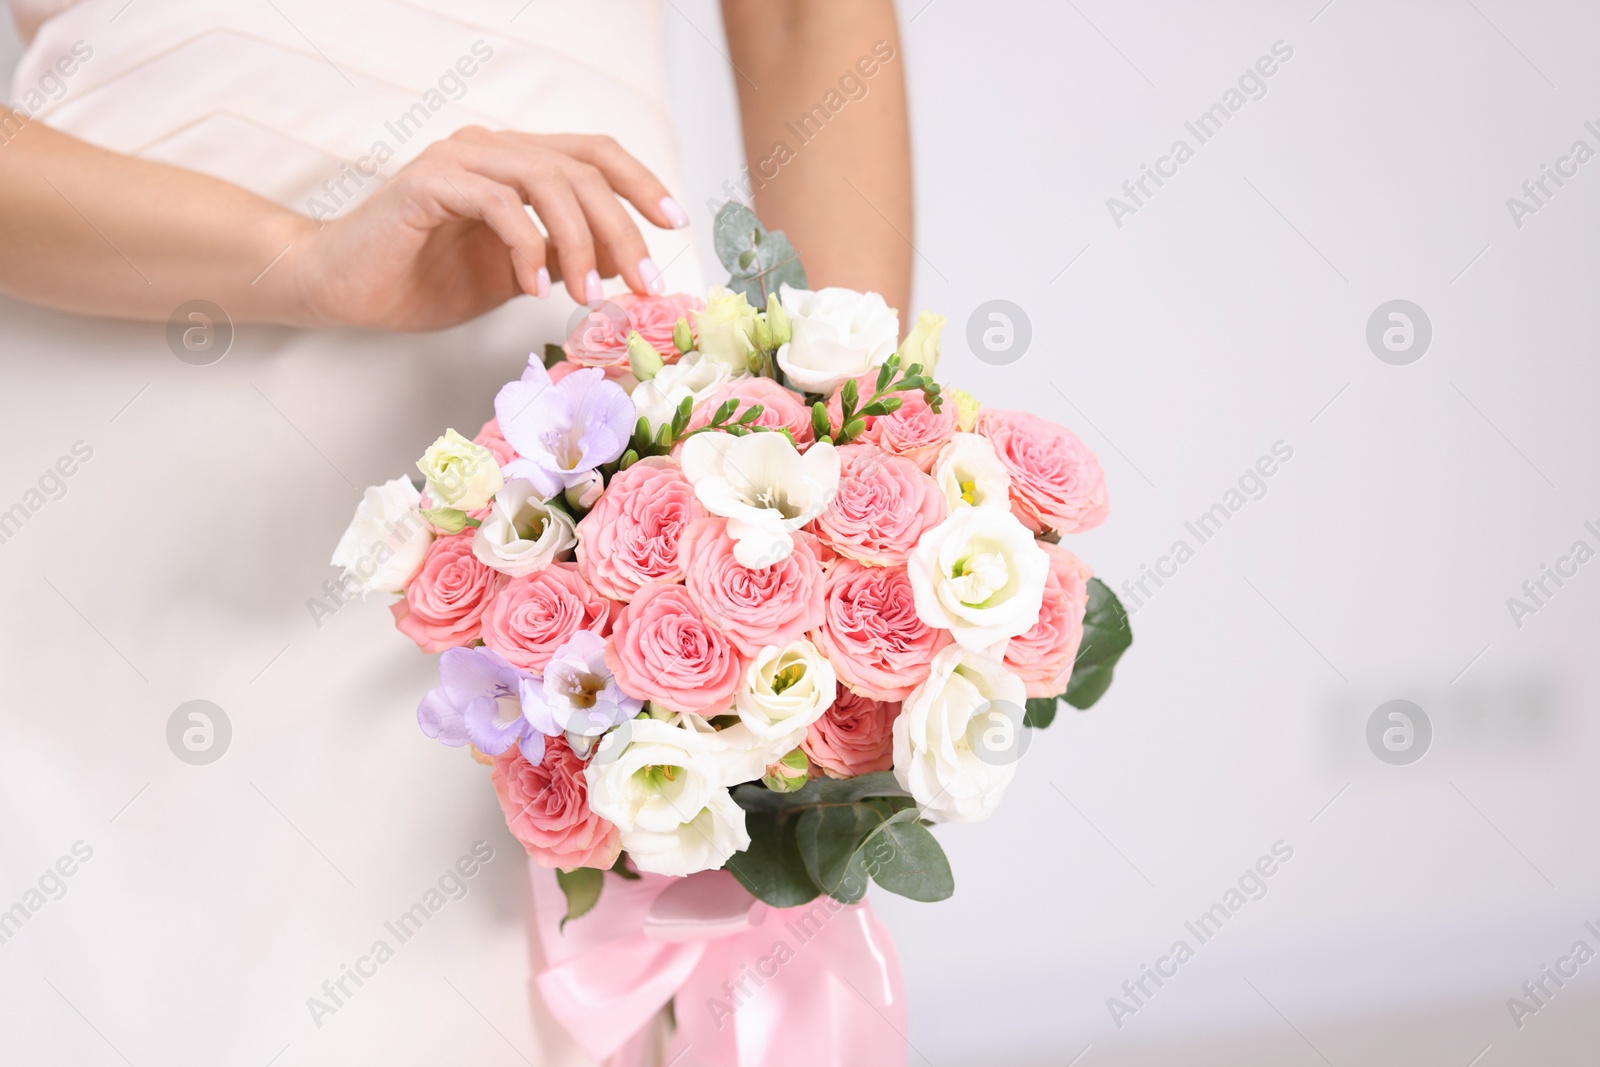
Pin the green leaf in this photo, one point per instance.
(758, 261)
(553, 354)
(1041, 712)
(830, 841)
(1106, 636)
(754, 798)
(771, 868)
(904, 858)
(622, 870)
(582, 888)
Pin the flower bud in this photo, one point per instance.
(778, 323)
(582, 494)
(682, 337)
(643, 360)
(966, 408)
(762, 336)
(922, 344)
(788, 774)
(446, 520)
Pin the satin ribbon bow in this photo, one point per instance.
(752, 986)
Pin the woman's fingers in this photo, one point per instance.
(470, 195)
(614, 229)
(631, 180)
(572, 181)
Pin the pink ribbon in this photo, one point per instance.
(751, 986)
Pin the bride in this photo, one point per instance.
(255, 256)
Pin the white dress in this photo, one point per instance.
(177, 563)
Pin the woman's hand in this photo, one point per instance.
(448, 237)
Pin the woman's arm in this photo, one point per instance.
(447, 238)
(823, 103)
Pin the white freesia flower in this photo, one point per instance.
(460, 474)
(838, 334)
(660, 784)
(955, 746)
(980, 575)
(695, 376)
(386, 540)
(522, 533)
(971, 474)
(763, 486)
(786, 689)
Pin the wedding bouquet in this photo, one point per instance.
(738, 584)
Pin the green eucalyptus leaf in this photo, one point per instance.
(830, 841)
(553, 354)
(772, 868)
(904, 858)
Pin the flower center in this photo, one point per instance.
(978, 577)
(788, 677)
(969, 492)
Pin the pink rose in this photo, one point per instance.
(444, 604)
(631, 536)
(883, 505)
(1056, 482)
(915, 430)
(781, 408)
(546, 805)
(661, 649)
(854, 736)
(491, 438)
(755, 608)
(1043, 656)
(871, 633)
(601, 338)
(532, 616)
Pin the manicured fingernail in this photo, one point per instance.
(674, 213)
(591, 287)
(541, 282)
(651, 275)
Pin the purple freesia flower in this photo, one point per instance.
(578, 694)
(562, 430)
(480, 700)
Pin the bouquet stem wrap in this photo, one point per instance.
(751, 986)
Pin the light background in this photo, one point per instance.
(1228, 314)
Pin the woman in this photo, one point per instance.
(326, 175)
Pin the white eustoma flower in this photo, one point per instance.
(386, 540)
(660, 784)
(522, 533)
(763, 486)
(980, 575)
(838, 334)
(971, 474)
(786, 689)
(695, 376)
(461, 474)
(725, 330)
(703, 843)
(955, 741)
